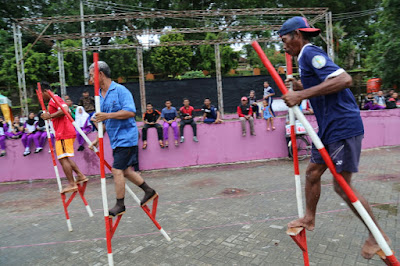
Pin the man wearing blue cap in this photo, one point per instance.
(340, 126)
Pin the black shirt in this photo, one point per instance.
(151, 117)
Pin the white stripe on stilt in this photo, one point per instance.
(132, 194)
(165, 234)
(89, 210)
(299, 196)
(314, 137)
(110, 259)
(104, 197)
(373, 228)
(69, 225)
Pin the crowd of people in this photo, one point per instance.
(32, 131)
(378, 101)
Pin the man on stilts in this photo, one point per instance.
(118, 113)
(340, 125)
(65, 137)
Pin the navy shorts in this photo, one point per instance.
(125, 157)
(345, 154)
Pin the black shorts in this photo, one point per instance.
(345, 154)
(125, 157)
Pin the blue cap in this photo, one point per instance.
(297, 23)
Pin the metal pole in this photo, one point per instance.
(63, 84)
(139, 53)
(85, 68)
(332, 51)
(18, 68)
(22, 68)
(219, 80)
(60, 56)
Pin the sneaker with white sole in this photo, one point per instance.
(182, 139)
(27, 151)
(195, 139)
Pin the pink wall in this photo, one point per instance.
(218, 144)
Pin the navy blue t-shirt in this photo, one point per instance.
(337, 114)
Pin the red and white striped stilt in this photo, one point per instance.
(390, 259)
(110, 227)
(151, 213)
(297, 234)
(81, 188)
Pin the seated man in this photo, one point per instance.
(170, 115)
(245, 112)
(187, 116)
(211, 114)
(380, 99)
(393, 101)
(150, 119)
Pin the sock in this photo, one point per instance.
(120, 202)
(146, 187)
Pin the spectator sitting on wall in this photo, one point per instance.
(170, 115)
(380, 99)
(82, 119)
(393, 101)
(267, 114)
(3, 130)
(40, 136)
(29, 131)
(87, 102)
(390, 93)
(253, 103)
(268, 95)
(72, 107)
(17, 129)
(150, 119)
(245, 112)
(187, 118)
(211, 115)
(371, 103)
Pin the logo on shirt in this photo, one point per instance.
(318, 61)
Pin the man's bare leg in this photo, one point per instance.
(370, 246)
(119, 183)
(313, 192)
(67, 168)
(136, 179)
(81, 176)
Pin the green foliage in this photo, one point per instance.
(122, 62)
(384, 56)
(277, 58)
(174, 59)
(229, 57)
(192, 75)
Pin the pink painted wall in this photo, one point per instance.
(218, 144)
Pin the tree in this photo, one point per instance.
(229, 57)
(172, 60)
(384, 57)
(122, 62)
(277, 58)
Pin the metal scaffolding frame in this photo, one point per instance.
(313, 14)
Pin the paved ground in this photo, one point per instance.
(227, 215)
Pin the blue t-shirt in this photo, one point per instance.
(122, 132)
(337, 114)
(169, 114)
